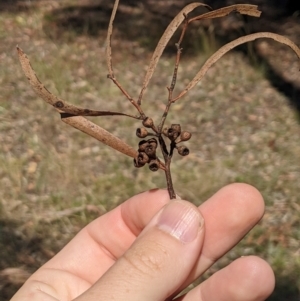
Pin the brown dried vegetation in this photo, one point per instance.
(70, 114)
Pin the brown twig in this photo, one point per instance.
(174, 77)
(109, 61)
(162, 43)
(167, 159)
(133, 102)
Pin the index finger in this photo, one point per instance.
(97, 246)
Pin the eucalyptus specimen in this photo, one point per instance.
(168, 138)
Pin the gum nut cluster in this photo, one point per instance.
(176, 136)
(147, 148)
(147, 154)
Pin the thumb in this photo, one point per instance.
(158, 262)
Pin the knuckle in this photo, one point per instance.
(147, 259)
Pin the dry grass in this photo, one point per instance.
(54, 180)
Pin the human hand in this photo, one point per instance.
(150, 248)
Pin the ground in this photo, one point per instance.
(244, 117)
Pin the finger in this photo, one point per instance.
(93, 250)
(229, 215)
(96, 247)
(246, 279)
(158, 261)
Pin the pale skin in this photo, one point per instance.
(150, 248)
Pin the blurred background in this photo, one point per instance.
(244, 116)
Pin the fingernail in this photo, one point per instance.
(180, 220)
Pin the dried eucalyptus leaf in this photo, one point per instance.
(77, 122)
(162, 43)
(223, 50)
(100, 134)
(37, 86)
(58, 103)
(244, 9)
(78, 111)
(108, 39)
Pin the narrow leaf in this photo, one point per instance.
(58, 103)
(100, 134)
(244, 9)
(162, 43)
(223, 50)
(37, 86)
(77, 122)
(108, 39)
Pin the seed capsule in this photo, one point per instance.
(142, 158)
(176, 128)
(150, 149)
(137, 163)
(141, 132)
(152, 141)
(148, 122)
(184, 136)
(142, 145)
(173, 132)
(183, 150)
(154, 165)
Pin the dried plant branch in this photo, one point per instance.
(168, 158)
(162, 43)
(240, 8)
(174, 77)
(168, 154)
(133, 102)
(223, 50)
(109, 61)
(70, 114)
(77, 122)
(146, 153)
